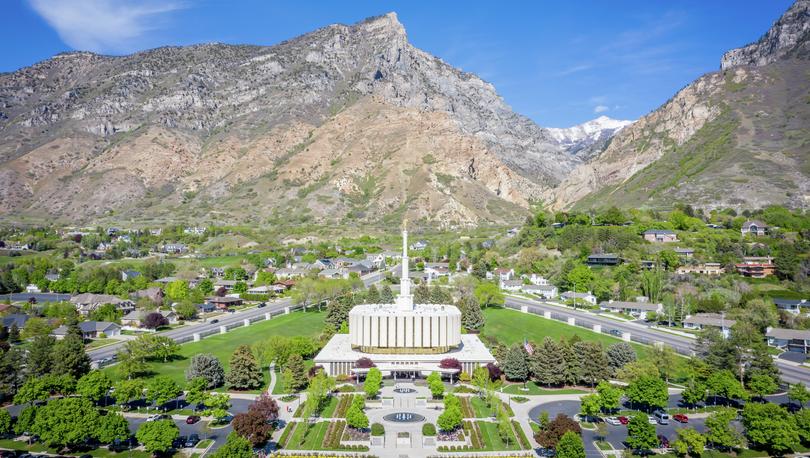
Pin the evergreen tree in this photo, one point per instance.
(372, 295)
(570, 370)
(386, 295)
(11, 374)
(421, 294)
(618, 355)
(299, 373)
(439, 295)
(548, 363)
(515, 365)
(14, 334)
(3, 333)
(245, 373)
(69, 357)
(471, 316)
(39, 359)
(592, 364)
(207, 366)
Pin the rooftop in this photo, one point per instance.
(339, 349)
(392, 309)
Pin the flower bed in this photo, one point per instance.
(457, 435)
(472, 430)
(285, 436)
(521, 436)
(333, 434)
(343, 406)
(466, 407)
(520, 399)
(352, 434)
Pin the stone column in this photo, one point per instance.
(572, 321)
(547, 315)
(626, 336)
(223, 329)
(597, 328)
(524, 308)
(196, 336)
(247, 322)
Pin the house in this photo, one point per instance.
(754, 227)
(360, 268)
(709, 268)
(32, 288)
(660, 236)
(129, 274)
(332, 273)
(287, 284)
(87, 302)
(558, 225)
(419, 245)
(111, 231)
(791, 305)
(502, 274)
(18, 319)
(700, 321)
(104, 247)
(511, 285)
(290, 273)
(155, 232)
(392, 254)
(686, 253)
(603, 259)
(174, 248)
(714, 226)
(322, 264)
(166, 280)
(154, 294)
(217, 272)
(376, 260)
(571, 296)
(796, 340)
(535, 279)
(648, 265)
(195, 230)
(756, 267)
(223, 303)
(437, 269)
(136, 317)
(544, 291)
(636, 309)
(205, 307)
(52, 276)
(90, 330)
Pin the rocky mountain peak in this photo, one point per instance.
(589, 138)
(789, 36)
(386, 24)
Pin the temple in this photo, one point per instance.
(403, 339)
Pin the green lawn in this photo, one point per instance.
(480, 407)
(223, 345)
(492, 440)
(329, 408)
(41, 448)
(313, 440)
(100, 343)
(535, 389)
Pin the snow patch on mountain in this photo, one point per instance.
(587, 139)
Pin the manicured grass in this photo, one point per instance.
(603, 445)
(492, 440)
(42, 448)
(480, 407)
(313, 440)
(100, 343)
(223, 345)
(330, 406)
(535, 389)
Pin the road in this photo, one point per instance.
(189, 330)
(791, 373)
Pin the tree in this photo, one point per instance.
(640, 433)
(802, 418)
(450, 419)
(799, 393)
(245, 373)
(652, 282)
(665, 360)
(69, 356)
(157, 436)
(39, 360)
(26, 419)
(694, 392)
(66, 422)
(235, 446)
(157, 347)
(130, 365)
(719, 432)
(356, 418)
(548, 364)
(762, 384)
(208, 367)
(196, 390)
(372, 295)
(570, 446)
(14, 334)
(5, 422)
(580, 277)
(488, 294)
(186, 310)
(515, 365)
(252, 426)
(609, 396)
(620, 354)
(299, 373)
(266, 407)
(689, 443)
(127, 390)
(435, 384)
(112, 427)
(94, 386)
(162, 389)
(177, 290)
(591, 362)
(591, 406)
(32, 390)
(724, 384)
(372, 383)
(648, 391)
(386, 295)
(155, 320)
(550, 435)
(471, 316)
(218, 405)
(771, 427)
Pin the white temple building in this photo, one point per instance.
(403, 339)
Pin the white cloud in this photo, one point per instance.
(104, 25)
(600, 109)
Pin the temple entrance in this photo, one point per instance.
(405, 375)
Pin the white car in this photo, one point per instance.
(652, 420)
(612, 421)
(158, 417)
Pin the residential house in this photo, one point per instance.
(166, 280)
(205, 307)
(419, 245)
(756, 267)
(535, 279)
(754, 227)
(129, 274)
(32, 288)
(796, 340)
(487, 244)
(104, 247)
(264, 289)
(686, 253)
(435, 270)
(709, 268)
(223, 303)
(332, 273)
(394, 255)
(174, 248)
(286, 284)
(136, 317)
(544, 291)
(155, 232)
(558, 225)
(52, 276)
(636, 309)
(227, 284)
(603, 259)
(571, 296)
(90, 330)
(217, 272)
(648, 265)
(154, 294)
(791, 305)
(87, 302)
(660, 236)
(376, 260)
(700, 321)
(322, 264)
(511, 285)
(503, 274)
(195, 230)
(18, 319)
(360, 268)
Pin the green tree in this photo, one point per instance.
(580, 277)
(591, 362)
(640, 433)
(471, 316)
(799, 393)
(26, 419)
(724, 384)
(372, 383)
(802, 418)
(372, 295)
(591, 406)
(669, 259)
(548, 363)
(127, 390)
(770, 426)
(356, 418)
(762, 385)
(516, 365)
(66, 422)
(386, 295)
(620, 354)
(689, 443)
(34, 389)
(94, 386)
(206, 287)
(157, 436)
(5, 422)
(112, 427)
(488, 294)
(719, 432)
(177, 290)
(610, 396)
(450, 419)
(245, 373)
(196, 390)
(694, 392)
(299, 372)
(218, 405)
(435, 384)
(186, 310)
(39, 359)
(207, 366)
(235, 446)
(570, 446)
(648, 391)
(69, 356)
(162, 389)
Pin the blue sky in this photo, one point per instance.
(560, 63)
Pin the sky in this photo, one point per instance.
(560, 63)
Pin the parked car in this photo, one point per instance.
(192, 419)
(615, 332)
(158, 417)
(192, 440)
(179, 443)
(261, 305)
(680, 418)
(612, 421)
(214, 321)
(663, 441)
(651, 420)
(661, 417)
(623, 420)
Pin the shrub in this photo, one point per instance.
(428, 429)
(377, 429)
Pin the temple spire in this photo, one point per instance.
(405, 299)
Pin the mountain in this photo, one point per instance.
(347, 124)
(590, 138)
(733, 138)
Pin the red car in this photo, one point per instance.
(680, 418)
(624, 420)
(192, 419)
